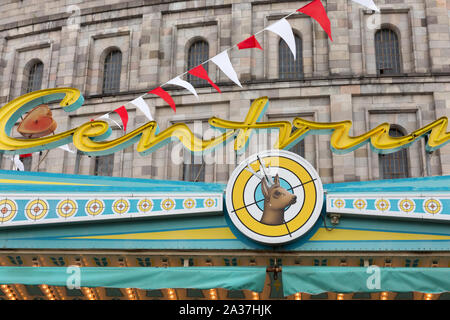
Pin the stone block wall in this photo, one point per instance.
(340, 82)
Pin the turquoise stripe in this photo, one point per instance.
(393, 230)
(97, 184)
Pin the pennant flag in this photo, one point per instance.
(223, 62)
(165, 96)
(316, 11)
(179, 82)
(368, 3)
(106, 117)
(66, 148)
(142, 105)
(18, 165)
(123, 114)
(201, 73)
(284, 30)
(249, 43)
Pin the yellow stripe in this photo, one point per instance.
(46, 182)
(359, 235)
(223, 233)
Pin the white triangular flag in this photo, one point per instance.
(223, 62)
(18, 164)
(66, 148)
(179, 82)
(368, 3)
(106, 117)
(142, 105)
(284, 30)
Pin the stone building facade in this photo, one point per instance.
(340, 79)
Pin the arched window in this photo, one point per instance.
(34, 76)
(387, 52)
(111, 71)
(198, 53)
(288, 68)
(394, 165)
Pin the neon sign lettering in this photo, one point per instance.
(91, 137)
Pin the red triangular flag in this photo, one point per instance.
(249, 43)
(123, 114)
(165, 96)
(316, 11)
(200, 72)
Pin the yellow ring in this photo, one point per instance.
(275, 230)
(13, 212)
(189, 203)
(360, 204)
(61, 204)
(339, 203)
(141, 205)
(379, 203)
(167, 204)
(403, 202)
(116, 204)
(92, 202)
(432, 201)
(209, 203)
(29, 206)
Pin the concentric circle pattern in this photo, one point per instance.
(246, 202)
(8, 210)
(66, 208)
(36, 209)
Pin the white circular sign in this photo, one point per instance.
(274, 197)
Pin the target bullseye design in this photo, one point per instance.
(36, 209)
(167, 204)
(433, 206)
(189, 203)
(66, 208)
(95, 207)
(245, 199)
(8, 210)
(382, 204)
(406, 205)
(209, 203)
(145, 205)
(121, 206)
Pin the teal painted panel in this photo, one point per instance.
(59, 237)
(318, 280)
(64, 236)
(98, 184)
(435, 183)
(231, 278)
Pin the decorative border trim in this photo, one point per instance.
(20, 209)
(419, 206)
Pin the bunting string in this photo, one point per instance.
(282, 28)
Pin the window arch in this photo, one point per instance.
(288, 68)
(387, 52)
(33, 76)
(394, 165)
(112, 68)
(198, 53)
